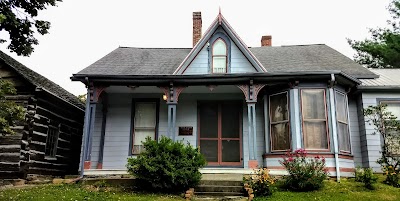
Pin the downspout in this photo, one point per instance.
(334, 126)
(85, 134)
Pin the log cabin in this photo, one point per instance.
(48, 141)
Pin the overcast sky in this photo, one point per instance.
(84, 31)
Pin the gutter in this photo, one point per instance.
(334, 128)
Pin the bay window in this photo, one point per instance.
(342, 122)
(314, 117)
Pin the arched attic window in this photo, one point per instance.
(219, 56)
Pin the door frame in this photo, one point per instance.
(219, 138)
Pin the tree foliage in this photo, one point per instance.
(382, 50)
(388, 127)
(18, 18)
(10, 112)
(82, 98)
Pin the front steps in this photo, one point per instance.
(220, 187)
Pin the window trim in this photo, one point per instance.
(326, 120)
(219, 56)
(385, 101)
(347, 123)
(53, 155)
(132, 129)
(270, 122)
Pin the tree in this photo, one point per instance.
(82, 98)
(382, 50)
(10, 112)
(387, 126)
(18, 18)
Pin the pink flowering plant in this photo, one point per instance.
(304, 174)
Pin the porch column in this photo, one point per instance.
(250, 92)
(104, 101)
(171, 120)
(90, 116)
(171, 94)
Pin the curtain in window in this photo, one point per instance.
(314, 118)
(145, 124)
(342, 122)
(279, 122)
(219, 56)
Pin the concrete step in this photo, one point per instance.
(218, 188)
(217, 194)
(221, 183)
(220, 198)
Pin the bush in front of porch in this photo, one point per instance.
(167, 166)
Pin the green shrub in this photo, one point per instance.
(260, 182)
(358, 172)
(305, 174)
(366, 176)
(392, 176)
(166, 166)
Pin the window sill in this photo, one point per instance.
(310, 155)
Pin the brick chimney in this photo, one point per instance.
(196, 27)
(266, 40)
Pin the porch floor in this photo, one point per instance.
(231, 174)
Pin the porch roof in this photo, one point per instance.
(222, 79)
(130, 61)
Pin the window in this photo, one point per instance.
(144, 124)
(342, 122)
(394, 108)
(219, 56)
(52, 141)
(313, 108)
(279, 122)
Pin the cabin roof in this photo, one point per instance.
(42, 82)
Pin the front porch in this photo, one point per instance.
(237, 123)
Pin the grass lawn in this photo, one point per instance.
(346, 190)
(78, 192)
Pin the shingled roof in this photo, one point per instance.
(164, 61)
(40, 81)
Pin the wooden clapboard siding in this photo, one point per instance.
(371, 143)
(355, 131)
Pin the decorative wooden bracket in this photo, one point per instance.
(95, 92)
(172, 93)
(251, 91)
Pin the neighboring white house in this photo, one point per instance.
(244, 107)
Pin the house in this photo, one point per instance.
(48, 141)
(243, 107)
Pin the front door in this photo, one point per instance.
(220, 132)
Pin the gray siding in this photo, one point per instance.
(370, 142)
(239, 63)
(354, 131)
